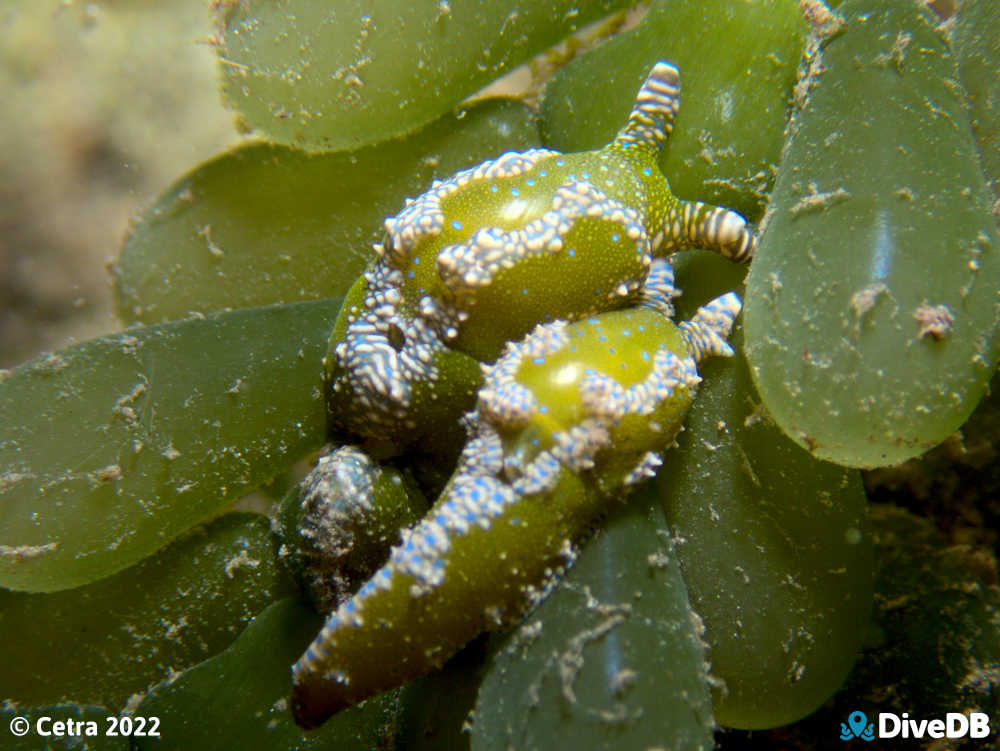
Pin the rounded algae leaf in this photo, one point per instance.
(264, 223)
(613, 658)
(235, 699)
(95, 644)
(324, 75)
(872, 315)
(737, 62)
(113, 447)
(773, 544)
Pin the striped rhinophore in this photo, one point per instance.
(652, 118)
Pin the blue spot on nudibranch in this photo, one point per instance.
(645, 355)
(647, 171)
(515, 192)
(614, 237)
(416, 260)
(493, 188)
(571, 252)
(539, 361)
(455, 224)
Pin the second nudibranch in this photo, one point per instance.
(568, 418)
(481, 258)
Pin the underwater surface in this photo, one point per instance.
(604, 532)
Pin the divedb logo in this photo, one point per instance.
(891, 725)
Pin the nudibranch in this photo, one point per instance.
(560, 421)
(567, 419)
(481, 258)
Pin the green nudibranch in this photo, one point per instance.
(569, 247)
(568, 418)
(482, 257)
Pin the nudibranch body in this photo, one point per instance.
(481, 258)
(568, 418)
(569, 247)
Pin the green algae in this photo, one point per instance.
(872, 320)
(737, 62)
(113, 447)
(95, 644)
(265, 223)
(336, 76)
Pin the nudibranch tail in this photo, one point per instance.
(568, 418)
(652, 117)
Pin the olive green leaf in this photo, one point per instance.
(613, 658)
(113, 447)
(238, 699)
(264, 223)
(324, 75)
(737, 62)
(774, 544)
(105, 641)
(872, 324)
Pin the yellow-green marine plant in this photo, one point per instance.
(577, 412)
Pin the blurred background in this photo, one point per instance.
(102, 105)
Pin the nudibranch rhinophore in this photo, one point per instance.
(571, 248)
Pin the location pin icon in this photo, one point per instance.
(857, 721)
